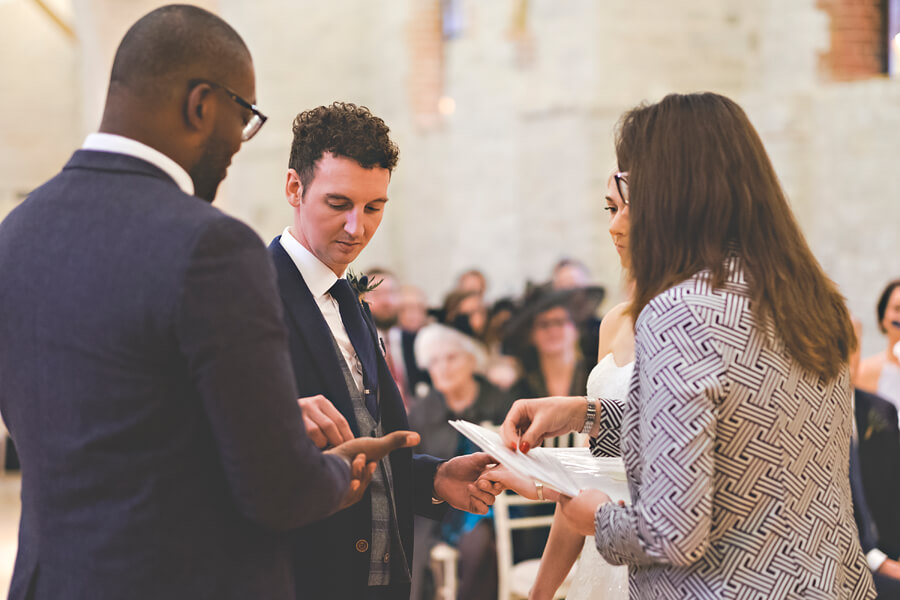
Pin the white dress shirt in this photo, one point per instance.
(319, 279)
(108, 142)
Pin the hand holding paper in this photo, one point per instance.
(529, 422)
(567, 470)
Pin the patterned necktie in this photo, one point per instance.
(361, 338)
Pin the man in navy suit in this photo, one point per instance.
(875, 481)
(340, 167)
(144, 369)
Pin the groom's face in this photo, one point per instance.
(340, 211)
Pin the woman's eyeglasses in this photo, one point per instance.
(621, 178)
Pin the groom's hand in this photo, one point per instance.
(455, 480)
(325, 425)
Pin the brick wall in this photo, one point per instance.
(858, 45)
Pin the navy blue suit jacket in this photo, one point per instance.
(879, 454)
(327, 557)
(145, 379)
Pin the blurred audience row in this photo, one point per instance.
(543, 343)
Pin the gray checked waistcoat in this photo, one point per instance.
(385, 550)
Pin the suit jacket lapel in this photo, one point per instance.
(304, 316)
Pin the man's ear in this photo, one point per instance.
(293, 188)
(199, 108)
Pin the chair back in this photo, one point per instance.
(515, 579)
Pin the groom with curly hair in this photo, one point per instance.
(340, 166)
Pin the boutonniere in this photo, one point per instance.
(361, 284)
(877, 424)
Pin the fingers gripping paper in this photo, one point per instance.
(567, 470)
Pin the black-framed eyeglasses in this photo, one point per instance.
(257, 118)
(621, 178)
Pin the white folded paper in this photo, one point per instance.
(567, 470)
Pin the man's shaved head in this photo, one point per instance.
(172, 44)
(175, 84)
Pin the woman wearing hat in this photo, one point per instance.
(544, 336)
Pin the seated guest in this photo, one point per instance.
(384, 304)
(472, 280)
(571, 274)
(880, 374)
(454, 360)
(465, 311)
(412, 315)
(412, 309)
(383, 298)
(498, 317)
(544, 335)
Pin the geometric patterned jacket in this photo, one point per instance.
(737, 459)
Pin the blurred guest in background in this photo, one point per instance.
(384, 304)
(454, 362)
(384, 298)
(412, 315)
(570, 273)
(472, 280)
(544, 336)
(497, 318)
(466, 311)
(412, 309)
(880, 374)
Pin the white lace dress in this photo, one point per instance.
(595, 579)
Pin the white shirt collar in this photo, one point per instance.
(108, 142)
(318, 277)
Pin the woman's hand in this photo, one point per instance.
(580, 510)
(530, 421)
(506, 479)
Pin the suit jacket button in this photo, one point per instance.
(387, 557)
(362, 545)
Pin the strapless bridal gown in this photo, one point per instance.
(595, 579)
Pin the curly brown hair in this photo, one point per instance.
(343, 129)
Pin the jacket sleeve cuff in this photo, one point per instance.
(875, 558)
(607, 442)
(424, 469)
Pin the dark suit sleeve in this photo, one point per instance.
(868, 536)
(424, 468)
(231, 333)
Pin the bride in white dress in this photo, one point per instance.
(594, 578)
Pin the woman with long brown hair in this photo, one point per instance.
(736, 429)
